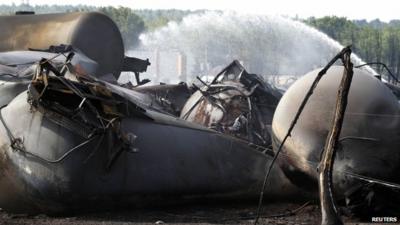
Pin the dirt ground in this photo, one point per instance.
(204, 213)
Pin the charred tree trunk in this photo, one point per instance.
(329, 211)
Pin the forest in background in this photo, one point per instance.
(373, 41)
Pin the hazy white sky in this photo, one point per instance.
(354, 9)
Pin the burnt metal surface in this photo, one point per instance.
(395, 90)
(235, 103)
(170, 97)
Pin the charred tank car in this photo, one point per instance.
(72, 139)
(365, 173)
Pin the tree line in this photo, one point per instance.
(130, 22)
(373, 41)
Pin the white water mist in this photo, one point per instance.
(267, 45)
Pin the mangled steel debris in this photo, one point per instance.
(77, 141)
(236, 103)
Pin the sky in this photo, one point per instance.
(384, 10)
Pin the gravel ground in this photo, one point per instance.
(232, 213)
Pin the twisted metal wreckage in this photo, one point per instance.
(72, 138)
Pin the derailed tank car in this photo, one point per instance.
(365, 173)
(92, 33)
(72, 139)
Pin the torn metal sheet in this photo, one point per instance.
(235, 103)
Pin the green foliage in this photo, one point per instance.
(40, 9)
(130, 24)
(373, 41)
